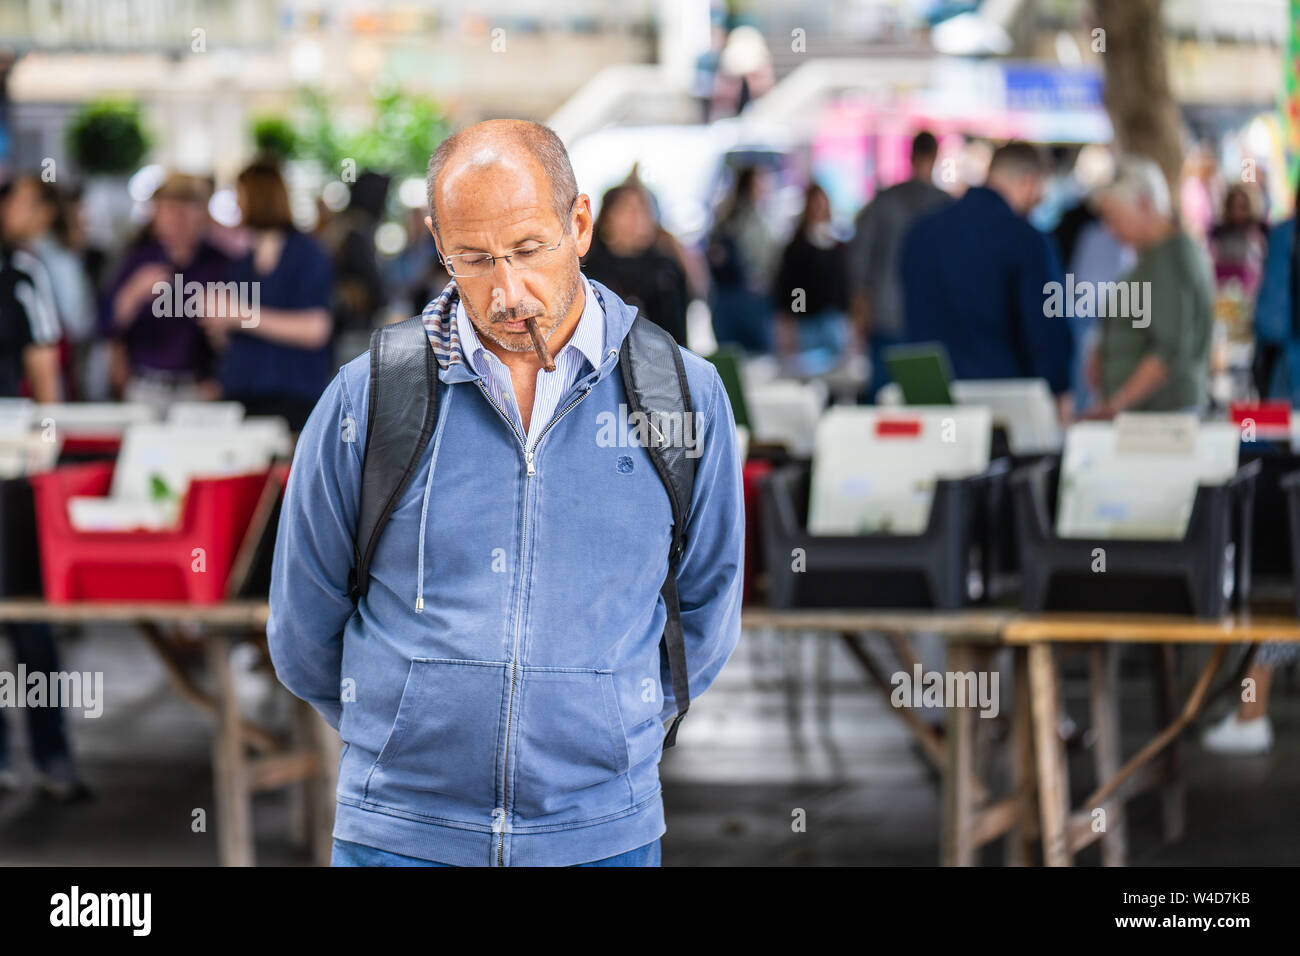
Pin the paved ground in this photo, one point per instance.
(788, 731)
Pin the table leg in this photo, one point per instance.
(822, 704)
(229, 770)
(1020, 841)
(957, 840)
(926, 736)
(1103, 672)
(1173, 791)
(1053, 776)
(792, 681)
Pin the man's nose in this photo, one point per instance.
(507, 285)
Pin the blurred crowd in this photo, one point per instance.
(1211, 314)
(186, 309)
(1204, 290)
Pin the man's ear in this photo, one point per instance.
(584, 224)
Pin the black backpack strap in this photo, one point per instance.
(655, 380)
(403, 408)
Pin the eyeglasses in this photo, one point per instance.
(473, 264)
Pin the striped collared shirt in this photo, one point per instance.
(583, 348)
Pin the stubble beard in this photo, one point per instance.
(521, 341)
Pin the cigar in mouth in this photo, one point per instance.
(539, 344)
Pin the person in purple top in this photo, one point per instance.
(149, 307)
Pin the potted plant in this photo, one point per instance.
(107, 141)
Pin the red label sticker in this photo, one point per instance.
(898, 427)
(1275, 413)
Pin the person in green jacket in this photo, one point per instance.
(1153, 352)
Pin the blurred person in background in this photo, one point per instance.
(744, 73)
(691, 262)
(416, 274)
(349, 240)
(1091, 254)
(741, 253)
(280, 361)
(1247, 729)
(56, 770)
(1158, 362)
(164, 358)
(1277, 321)
(975, 276)
(1201, 191)
(627, 255)
(877, 294)
(29, 320)
(811, 292)
(707, 64)
(29, 334)
(1239, 244)
(39, 220)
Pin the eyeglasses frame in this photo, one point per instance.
(447, 264)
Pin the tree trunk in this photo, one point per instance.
(1138, 95)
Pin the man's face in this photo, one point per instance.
(494, 210)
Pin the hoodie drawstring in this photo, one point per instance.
(428, 484)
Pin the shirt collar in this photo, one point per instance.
(588, 338)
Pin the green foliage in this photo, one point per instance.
(404, 132)
(107, 137)
(274, 136)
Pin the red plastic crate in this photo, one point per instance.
(754, 472)
(141, 565)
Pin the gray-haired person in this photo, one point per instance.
(1154, 356)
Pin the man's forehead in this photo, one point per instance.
(481, 197)
(476, 172)
(505, 218)
(471, 225)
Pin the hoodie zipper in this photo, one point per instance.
(519, 618)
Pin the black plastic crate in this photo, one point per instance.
(928, 570)
(1270, 537)
(1205, 573)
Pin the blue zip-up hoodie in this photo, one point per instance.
(499, 690)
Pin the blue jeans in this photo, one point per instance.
(34, 646)
(354, 854)
(823, 337)
(742, 318)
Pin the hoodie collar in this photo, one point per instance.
(439, 318)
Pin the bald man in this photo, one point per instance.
(499, 688)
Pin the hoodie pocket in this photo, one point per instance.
(440, 757)
(573, 761)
